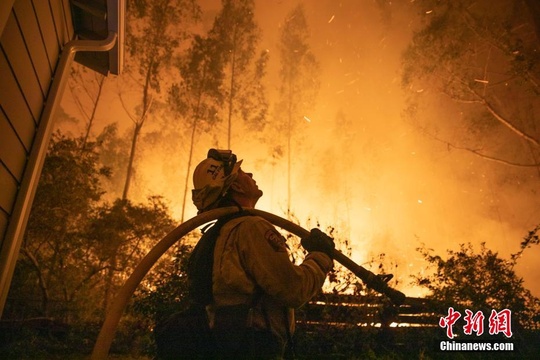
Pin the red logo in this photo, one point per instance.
(499, 322)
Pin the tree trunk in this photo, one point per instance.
(534, 7)
(232, 92)
(289, 148)
(196, 117)
(109, 278)
(41, 282)
(129, 172)
(94, 109)
(138, 127)
(188, 171)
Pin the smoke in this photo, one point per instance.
(358, 164)
(362, 164)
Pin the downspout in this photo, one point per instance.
(27, 190)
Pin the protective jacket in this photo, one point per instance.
(251, 260)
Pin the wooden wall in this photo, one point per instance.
(33, 34)
(32, 37)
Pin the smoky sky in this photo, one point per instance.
(358, 164)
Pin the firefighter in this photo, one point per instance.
(255, 286)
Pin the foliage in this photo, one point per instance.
(198, 96)
(114, 155)
(122, 233)
(77, 249)
(165, 291)
(153, 36)
(298, 69)
(340, 280)
(94, 232)
(481, 61)
(223, 55)
(86, 87)
(479, 281)
(254, 109)
(237, 32)
(54, 253)
(532, 238)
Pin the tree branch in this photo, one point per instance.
(535, 9)
(479, 154)
(461, 100)
(507, 123)
(133, 118)
(77, 101)
(482, 100)
(41, 280)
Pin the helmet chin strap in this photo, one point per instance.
(106, 335)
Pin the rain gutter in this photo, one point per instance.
(34, 165)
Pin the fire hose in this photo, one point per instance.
(106, 335)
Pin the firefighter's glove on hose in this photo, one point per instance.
(318, 241)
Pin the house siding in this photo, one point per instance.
(32, 37)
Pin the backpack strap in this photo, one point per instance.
(201, 261)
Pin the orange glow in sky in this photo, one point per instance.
(357, 165)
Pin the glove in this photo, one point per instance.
(318, 241)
